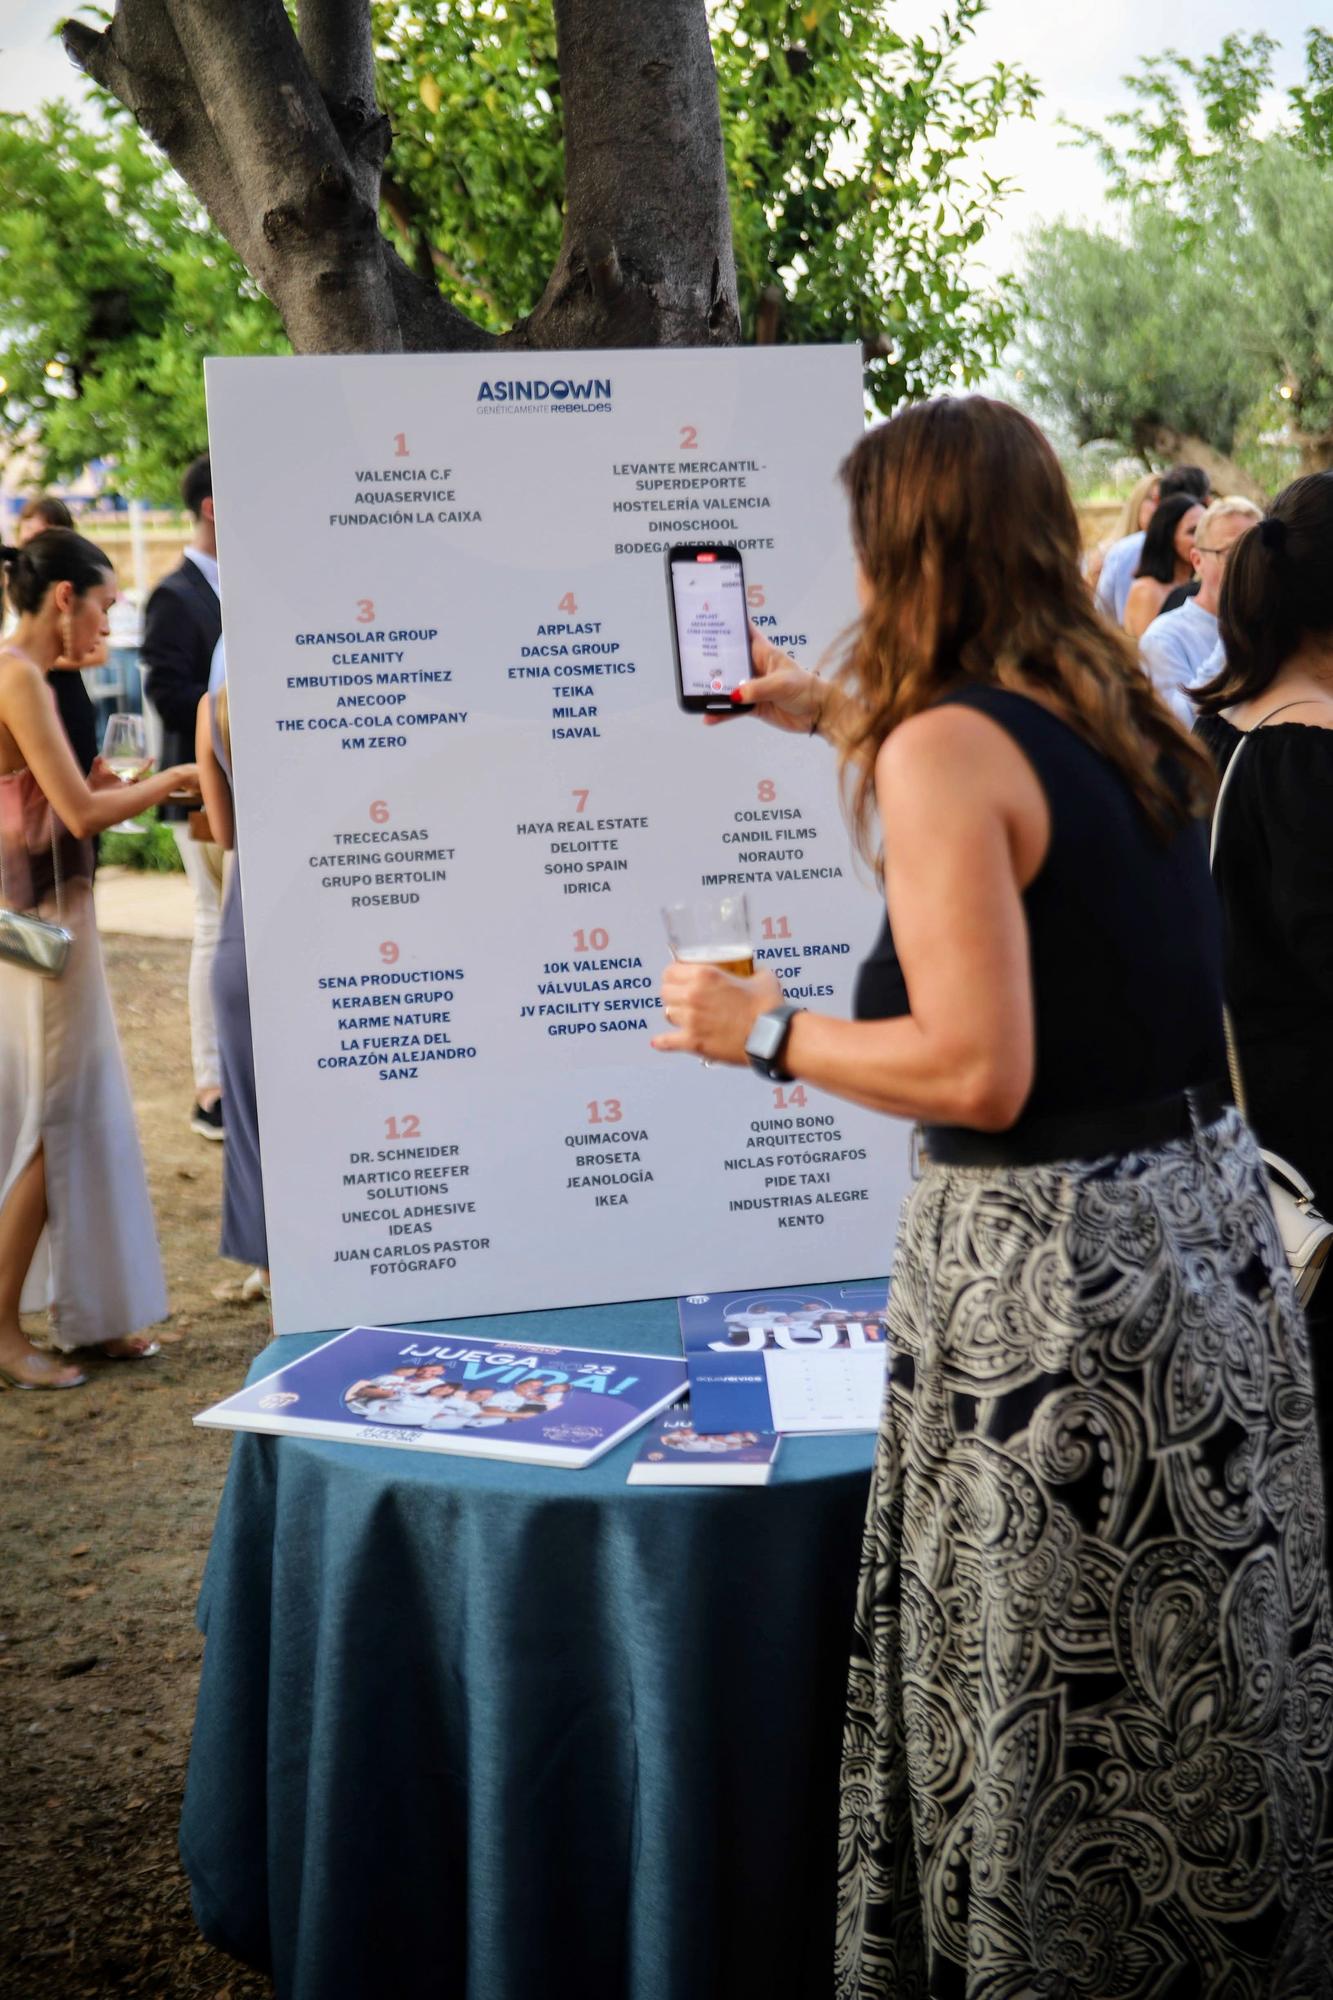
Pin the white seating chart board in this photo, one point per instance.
(465, 790)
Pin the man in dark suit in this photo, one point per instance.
(182, 625)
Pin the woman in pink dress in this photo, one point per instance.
(76, 1228)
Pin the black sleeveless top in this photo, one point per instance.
(1275, 881)
(1123, 931)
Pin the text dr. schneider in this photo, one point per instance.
(562, 396)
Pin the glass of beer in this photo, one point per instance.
(715, 930)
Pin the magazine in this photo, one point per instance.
(675, 1454)
(457, 1392)
(806, 1361)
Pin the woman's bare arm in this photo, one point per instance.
(965, 1054)
(28, 711)
(213, 779)
(965, 828)
(1142, 605)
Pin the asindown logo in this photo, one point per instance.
(561, 396)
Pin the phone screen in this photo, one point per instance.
(708, 596)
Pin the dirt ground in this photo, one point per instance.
(107, 1499)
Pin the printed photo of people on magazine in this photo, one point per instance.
(425, 1399)
(686, 1438)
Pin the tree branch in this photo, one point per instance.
(281, 141)
(336, 40)
(604, 272)
(646, 258)
(430, 325)
(140, 61)
(406, 218)
(768, 318)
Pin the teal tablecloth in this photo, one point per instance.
(474, 1731)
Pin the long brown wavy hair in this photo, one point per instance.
(967, 535)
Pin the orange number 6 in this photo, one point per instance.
(379, 812)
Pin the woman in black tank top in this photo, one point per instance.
(1084, 1750)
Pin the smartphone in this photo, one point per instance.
(710, 634)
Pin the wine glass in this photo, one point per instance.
(125, 746)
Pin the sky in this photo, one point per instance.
(1079, 50)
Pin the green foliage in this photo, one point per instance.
(1186, 134)
(1129, 336)
(849, 148)
(1209, 311)
(110, 268)
(848, 152)
(475, 178)
(153, 848)
(1288, 257)
(850, 159)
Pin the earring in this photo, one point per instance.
(66, 636)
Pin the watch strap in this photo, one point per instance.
(770, 1031)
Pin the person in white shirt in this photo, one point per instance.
(449, 1408)
(530, 1398)
(1177, 648)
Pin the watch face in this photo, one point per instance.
(767, 1035)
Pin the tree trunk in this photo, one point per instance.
(277, 133)
(1316, 451)
(646, 259)
(1161, 444)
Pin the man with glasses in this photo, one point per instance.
(1176, 646)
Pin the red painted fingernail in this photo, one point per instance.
(736, 695)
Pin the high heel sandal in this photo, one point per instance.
(13, 1381)
(141, 1348)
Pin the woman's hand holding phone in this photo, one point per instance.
(781, 693)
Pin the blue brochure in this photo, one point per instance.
(805, 1360)
(455, 1392)
(674, 1453)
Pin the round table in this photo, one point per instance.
(471, 1730)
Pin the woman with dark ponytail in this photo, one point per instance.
(1274, 864)
(76, 1228)
(73, 700)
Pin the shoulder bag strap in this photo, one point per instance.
(55, 865)
(1233, 1060)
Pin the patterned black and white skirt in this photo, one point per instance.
(1090, 1725)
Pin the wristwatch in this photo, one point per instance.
(767, 1040)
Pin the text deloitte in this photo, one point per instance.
(560, 395)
